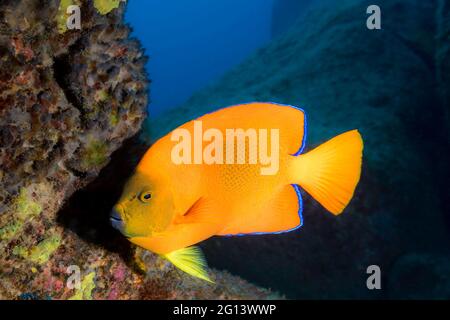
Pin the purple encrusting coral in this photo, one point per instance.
(68, 99)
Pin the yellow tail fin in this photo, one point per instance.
(331, 172)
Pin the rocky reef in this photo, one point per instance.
(285, 13)
(68, 100)
(392, 85)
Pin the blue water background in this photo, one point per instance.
(192, 45)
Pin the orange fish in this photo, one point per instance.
(235, 171)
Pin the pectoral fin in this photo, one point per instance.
(190, 260)
(203, 211)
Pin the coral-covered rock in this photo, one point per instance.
(68, 99)
(382, 82)
(56, 134)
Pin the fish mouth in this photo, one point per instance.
(116, 221)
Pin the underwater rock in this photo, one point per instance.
(420, 276)
(382, 82)
(443, 82)
(68, 99)
(443, 55)
(55, 134)
(285, 13)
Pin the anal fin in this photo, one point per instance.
(282, 213)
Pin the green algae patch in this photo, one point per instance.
(95, 154)
(86, 287)
(25, 206)
(62, 16)
(10, 230)
(106, 6)
(41, 253)
(20, 251)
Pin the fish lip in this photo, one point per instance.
(116, 221)
(115, 215)
(117, 224)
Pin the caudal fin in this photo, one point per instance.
(331, 172)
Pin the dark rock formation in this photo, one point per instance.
(443, 83)
(68, 99)
(286, 13)
(420, 276)
(392, 85)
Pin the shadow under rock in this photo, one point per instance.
(86, 212)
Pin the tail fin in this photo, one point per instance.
(331, 172)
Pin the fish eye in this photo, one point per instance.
(145, 196)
